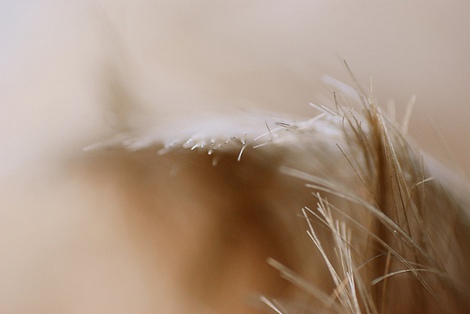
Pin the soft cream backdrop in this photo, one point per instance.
(64, 66)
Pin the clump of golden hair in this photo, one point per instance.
(362, 220)
(397, 237)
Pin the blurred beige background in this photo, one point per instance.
(66, 65)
